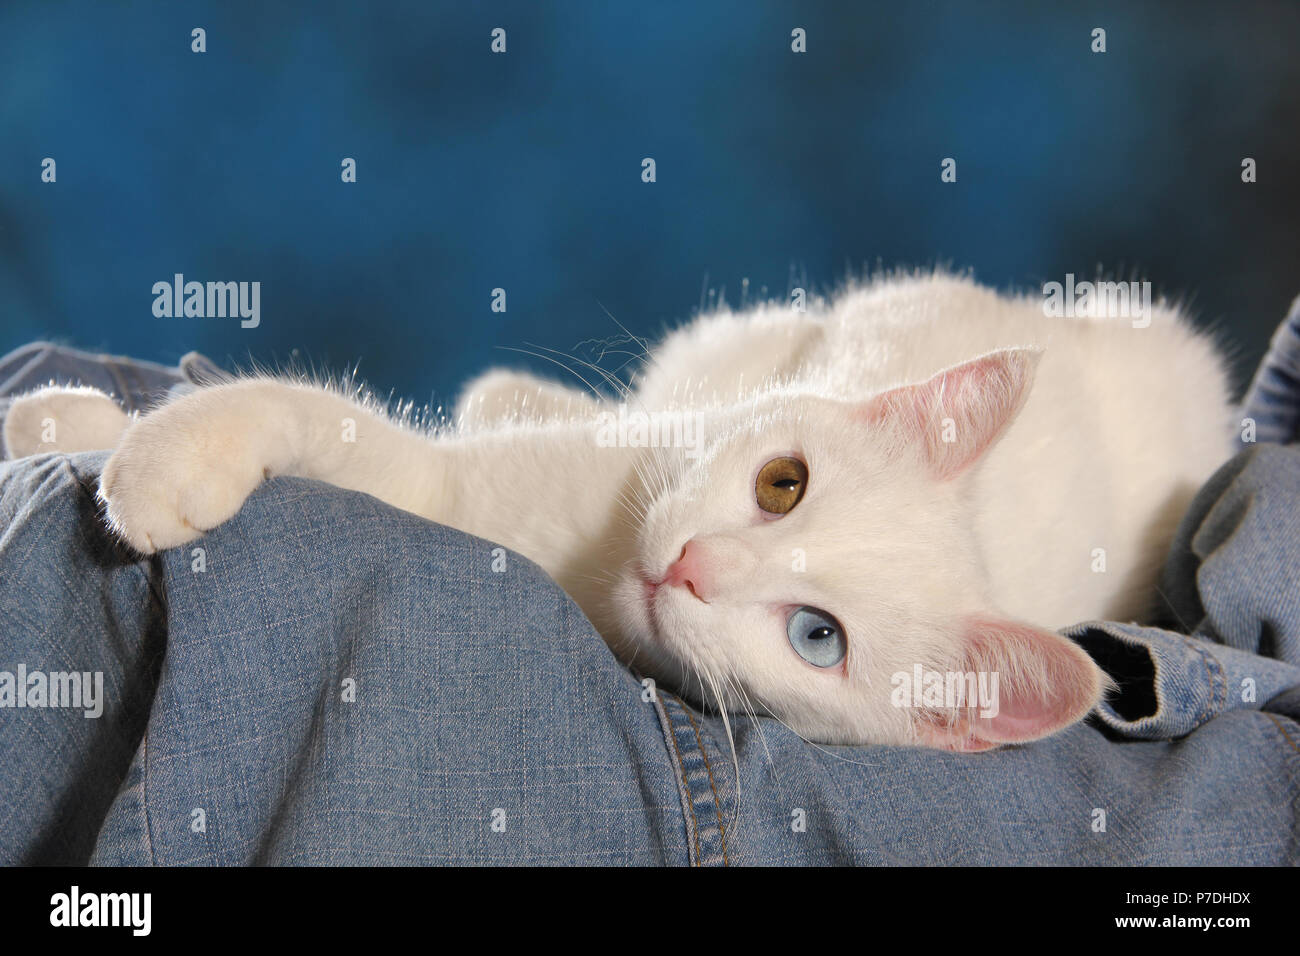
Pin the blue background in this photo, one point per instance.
(523, 170)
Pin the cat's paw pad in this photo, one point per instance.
(166, 484)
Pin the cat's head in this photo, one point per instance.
(817, 561)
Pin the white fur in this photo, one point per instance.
(64, 419)
(1119, 428)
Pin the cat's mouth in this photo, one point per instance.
(649, 601)
(658, 606)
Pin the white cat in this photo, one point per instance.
(920, 474)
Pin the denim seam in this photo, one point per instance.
(684, 791)
(144, 798)
(1158, 688)
(712, 739)
(696, 775)
(717, 803)
(149, 584)
(1218, 682)
(1281, 729)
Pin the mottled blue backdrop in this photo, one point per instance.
(522, 170)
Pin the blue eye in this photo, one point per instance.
(816, 637)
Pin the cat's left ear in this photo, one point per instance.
(958, 414)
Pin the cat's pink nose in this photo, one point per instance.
(689, 572)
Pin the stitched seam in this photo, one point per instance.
(144, 799)
(1218, 682)
(87, 490)
(690, 802)
(1206, 710)
(1281, 728)
(717, 805)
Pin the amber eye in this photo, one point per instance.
(781, 483)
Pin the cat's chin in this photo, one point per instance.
(632, 610)
(641, 642)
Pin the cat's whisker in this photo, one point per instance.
(742, 701)
(648, 357)
(750, 710)
(595, 392)
(620, 388)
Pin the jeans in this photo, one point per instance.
(328, 680)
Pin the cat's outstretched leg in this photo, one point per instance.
(189, 466)
(62, 419)
(500, 397)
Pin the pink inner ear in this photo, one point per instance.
(979, 398)
(1045, 683)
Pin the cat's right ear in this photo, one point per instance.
(959, 413)
(1029, 683)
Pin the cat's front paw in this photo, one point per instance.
(171, 479)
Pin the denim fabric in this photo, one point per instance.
(1273, 400)
(479, 692)
(1232, 581)
(475, 692)
(492, 725)
(1170, 684)
(135, 384)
